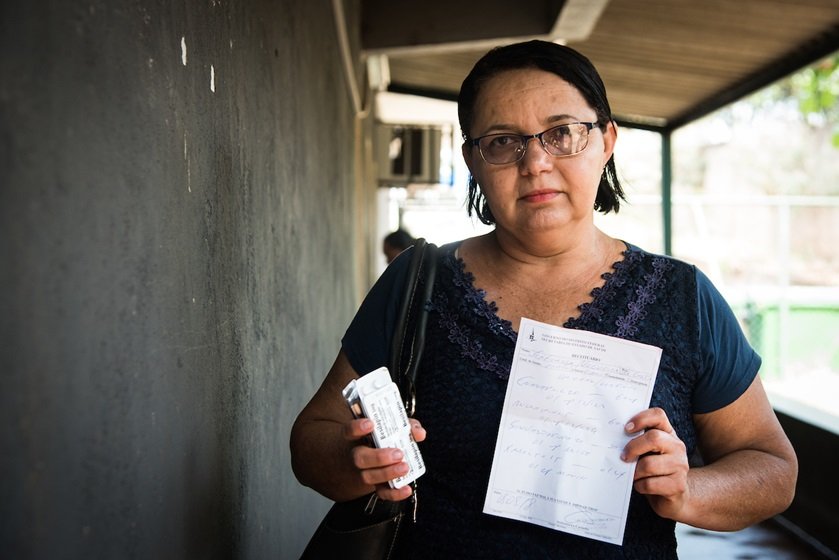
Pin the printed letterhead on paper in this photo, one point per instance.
(557, 458)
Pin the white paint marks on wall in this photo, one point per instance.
(188, 170)
(212, 79)
(183, 50)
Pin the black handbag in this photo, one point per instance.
(368, 528)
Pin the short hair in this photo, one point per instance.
(566, 63)
(400, 239)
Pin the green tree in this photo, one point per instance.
(815, 91)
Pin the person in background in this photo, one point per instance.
(395, 242)
(538, 140)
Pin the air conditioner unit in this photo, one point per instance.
(408, 154)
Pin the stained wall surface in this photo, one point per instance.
(178, 186)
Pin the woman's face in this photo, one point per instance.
(540, 192)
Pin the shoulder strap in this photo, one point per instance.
(409, 335)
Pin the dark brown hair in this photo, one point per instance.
(569, 65)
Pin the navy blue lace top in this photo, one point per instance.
(706, 364)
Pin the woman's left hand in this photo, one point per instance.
(662, 470)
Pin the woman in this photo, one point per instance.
(538, 142)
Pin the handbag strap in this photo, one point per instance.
(409, 335)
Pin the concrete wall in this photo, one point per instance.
(813, 513)
(177, 189)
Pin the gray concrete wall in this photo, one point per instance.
(813, 511)
(177, 190)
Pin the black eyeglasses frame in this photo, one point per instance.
(525, 140)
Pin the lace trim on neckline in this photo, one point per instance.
(591, 310)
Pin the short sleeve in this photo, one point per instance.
(366, 343)
(729, 363)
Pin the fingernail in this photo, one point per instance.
(396, 455)
(366, 425)
(630, 427)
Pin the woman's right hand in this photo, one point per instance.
(378, 466)
(329, 453)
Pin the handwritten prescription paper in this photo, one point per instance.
(557, 458)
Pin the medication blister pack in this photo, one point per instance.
(376, 396)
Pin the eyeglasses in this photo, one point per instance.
(564, 140)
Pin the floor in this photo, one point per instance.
(766, 541)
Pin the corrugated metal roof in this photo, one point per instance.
(664, 62)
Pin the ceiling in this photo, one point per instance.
(664, 62)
